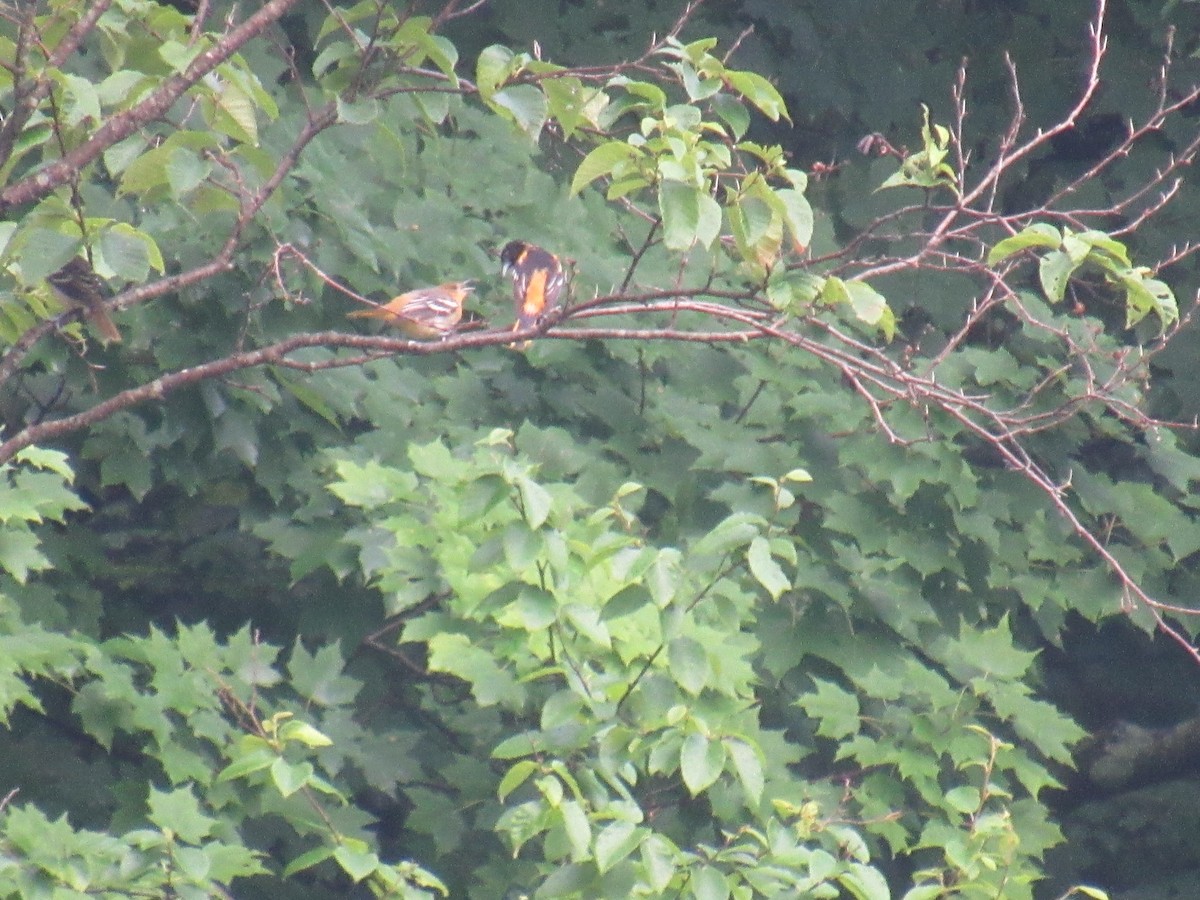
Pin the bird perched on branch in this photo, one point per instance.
(430, 312)
(78, 286)
(538, 280)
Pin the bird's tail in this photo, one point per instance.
(375, 312)
(105, 325)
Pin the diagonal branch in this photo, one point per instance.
(42, 182)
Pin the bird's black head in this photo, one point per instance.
(512, 252)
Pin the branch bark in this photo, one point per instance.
(42, 182)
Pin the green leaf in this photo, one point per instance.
(492, 69)
(186, 171)
(179, 812)
(1054, 272)
(290, 777)
(303, 733)
(537, 609)
(44, 458)
(837, 709)
(245, 765)
(736, 530)
(535, 502)
(709, 883)
(760, 92)
(1148, 295)
(766, 571)
(868, 304)
(358, 864)
(525, 105)
(1106, 246)
(577, 828)
(664, 577)
(360, 112)
(602, 162)
(659, 861)
(925, 892)
(1039, 235)
(964, 799)
(679, 205)
(749, 768)
(82, 106)
(19, 554)
(864, 882)
(490, 682)
(701, 762)
(307, 860)
(233, 113)
(615, 842)
(517, 745)
(798, 215)
(730, 111)
(129, 253)
(517, 775)
(688, 663)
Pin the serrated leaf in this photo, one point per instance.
(179, 811)
(837, 709)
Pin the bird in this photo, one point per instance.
(428, 312)
(538, 280)
(78, 286)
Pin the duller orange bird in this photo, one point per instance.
(429, 312)
(78, 286)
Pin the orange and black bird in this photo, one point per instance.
(430, 312)
(78, 286)
(538, 280)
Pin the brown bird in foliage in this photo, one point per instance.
(430, 312)
(78, 286)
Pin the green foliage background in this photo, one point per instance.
(604, 618)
